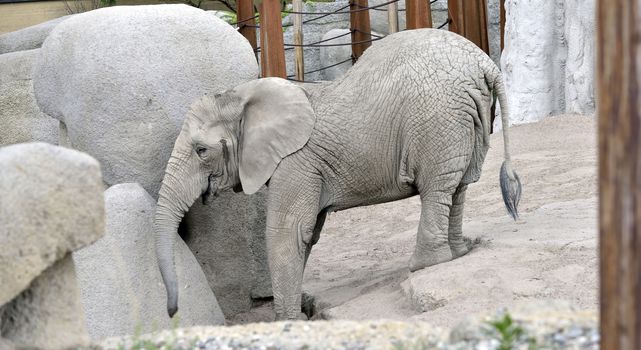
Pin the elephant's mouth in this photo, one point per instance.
(212, 190)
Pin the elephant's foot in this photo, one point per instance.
(424, 258)
(300, 317)
(461, 247)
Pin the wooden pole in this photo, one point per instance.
(272, 51)
(469, 19)
(298, 40)
(418, 14)
(244, 15)
(392, 17)
(359, 25)
(619, 119)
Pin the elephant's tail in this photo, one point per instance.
(508, 178)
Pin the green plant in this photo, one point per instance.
(415, 345)
(143, 344)
(509, 333)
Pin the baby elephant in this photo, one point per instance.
(412, 117)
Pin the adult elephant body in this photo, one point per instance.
(411, 117)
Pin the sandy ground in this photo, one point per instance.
(358, 270)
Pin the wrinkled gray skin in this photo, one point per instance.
(412, 117)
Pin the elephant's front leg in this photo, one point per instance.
(286, 255)
(292, 214)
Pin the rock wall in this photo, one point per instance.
(121, 80)
(119, 280)
(20, 118)
(28, 38)
(548, 61)
(51, 204)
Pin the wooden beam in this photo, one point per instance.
(469, 19)
(418, 14)
(272, 51)
(360, 27)
(392, 18)
(619, 119)
(299, 59)
(246, 21)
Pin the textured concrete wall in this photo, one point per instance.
(548, 61)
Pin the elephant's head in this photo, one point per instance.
(232, 140)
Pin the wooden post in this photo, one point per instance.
(272, 52)
(392, 17)
(418, 14)
(619, 119)
(359, 25)
(299, 59)
(469, 19)
(502, 22)
(246, 22)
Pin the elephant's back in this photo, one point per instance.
(413, 47)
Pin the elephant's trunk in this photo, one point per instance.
(181, 186)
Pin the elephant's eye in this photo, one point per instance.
(201, 151)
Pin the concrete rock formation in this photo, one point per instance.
(313, 31)
(550, 325)
(548, 62)
(51, 205)
(230, 248)
(20, 117)
(119, 280)
(334, 54)
(122, 79)
(28, 38)
(132, 76)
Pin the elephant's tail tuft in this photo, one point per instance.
(510, 189)
(172, 307)
(508, 179)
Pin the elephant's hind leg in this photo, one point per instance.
(432, 246)
(432, 241)
(458, 244)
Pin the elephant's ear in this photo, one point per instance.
(277, 121)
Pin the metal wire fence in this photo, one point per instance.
(323, 43)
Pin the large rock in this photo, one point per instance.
(120, 284)
(331, 56)
(313, 29)
(122, 80)
(548, 61)
(28, 38)
(51, 205)
(20, 117)
(48, 314)
(379, 19)
(230, 247)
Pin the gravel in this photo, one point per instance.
(550, 325)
